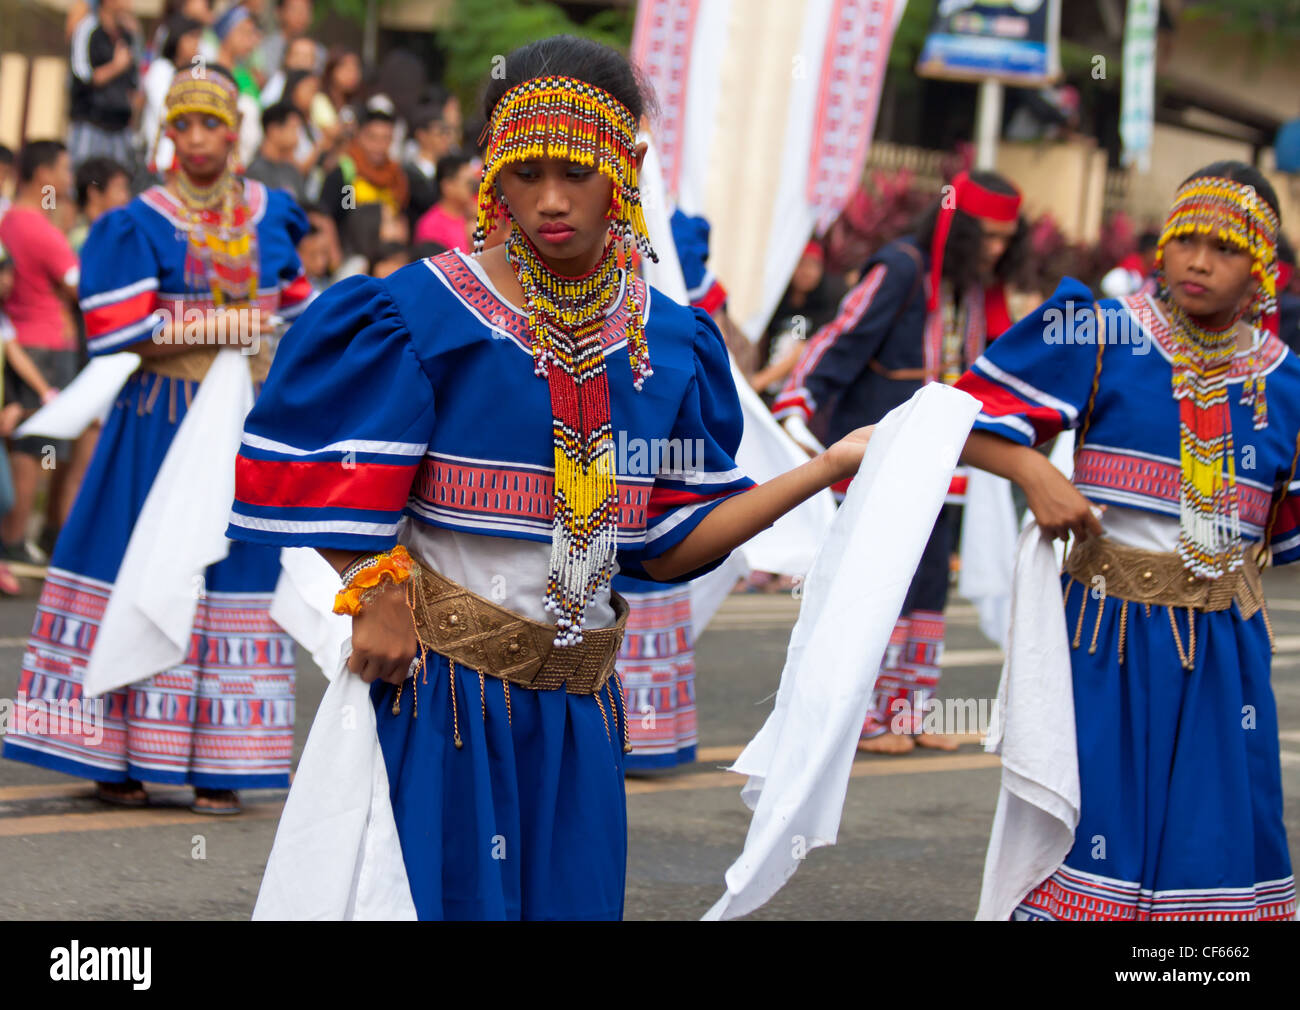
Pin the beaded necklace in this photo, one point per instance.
(1209, 538)
(221, 251)
(561, 117)
(566, 319)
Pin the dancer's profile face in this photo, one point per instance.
(561, 205)
(1208, 277)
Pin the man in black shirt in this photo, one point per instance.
(103, 86)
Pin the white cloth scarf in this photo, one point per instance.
(180, 531)
(1038, 802)
(799, 762)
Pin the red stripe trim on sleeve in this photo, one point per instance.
(666, 500)
(322, 484)
(711, 300)
(999, 401)
(107, 318)
(296, 290)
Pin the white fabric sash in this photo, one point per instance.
(336, 853)
(86, 399)
(1038, 803)
(799, 762)
(180, 531)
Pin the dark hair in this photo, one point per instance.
(292, 79)
(280, 112)
(1240, 172)
(961, 257)
(177, 25)
(1148, 240)
(336, 56)
(427, 250)
(6, 155)
(96, 173)
(447, 167)
(38, 154)
(570, 56)
(387, 251)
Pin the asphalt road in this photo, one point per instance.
(911, 844)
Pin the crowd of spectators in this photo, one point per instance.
(375, 156)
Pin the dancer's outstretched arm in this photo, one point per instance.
(1056, 503)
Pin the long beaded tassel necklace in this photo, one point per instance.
(222, 247)
(1209, 540)
(566, 319)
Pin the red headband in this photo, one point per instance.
(973, 199)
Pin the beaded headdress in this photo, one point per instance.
(561, 117)
(1209, 539)
(568, 119)
(221, 251)
(209, 94)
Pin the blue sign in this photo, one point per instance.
(1014, 41)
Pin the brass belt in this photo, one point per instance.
(1132, 575)
(487, 638)
(1141, 576)
(193, 364)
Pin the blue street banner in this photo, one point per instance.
(1013, 41)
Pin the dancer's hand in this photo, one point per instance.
(383, 638)
(1057, 504)
(845, 456)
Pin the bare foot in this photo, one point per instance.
(937, 741)
(887, 743)
(122, 794)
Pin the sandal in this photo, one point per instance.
(128, 793)
(221, 802)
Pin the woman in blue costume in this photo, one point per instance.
(467, 409)
(207, 258)
(656, 662)
(1176, 726)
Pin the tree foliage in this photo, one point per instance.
(483, 30)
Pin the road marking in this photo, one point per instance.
(116, 820)
(867, 768)
(48, 792)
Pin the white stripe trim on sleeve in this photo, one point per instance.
(1025, 389)
(126, 335)
(1011, 421)
(119, 294)
(315, 526)
(348, 445)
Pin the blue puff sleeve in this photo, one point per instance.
(707, 434)
(118, 290)
(339, 429)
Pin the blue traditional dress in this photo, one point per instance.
(222, 719)
(656, 661)
(1180, 776)
(406, 410)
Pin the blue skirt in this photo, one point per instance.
(1180, 770)
(528, 818)
(223, 717)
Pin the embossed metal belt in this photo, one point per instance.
(1158, 577)
(490, 639)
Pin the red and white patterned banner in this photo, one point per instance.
(661, 46)
(852, 75)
